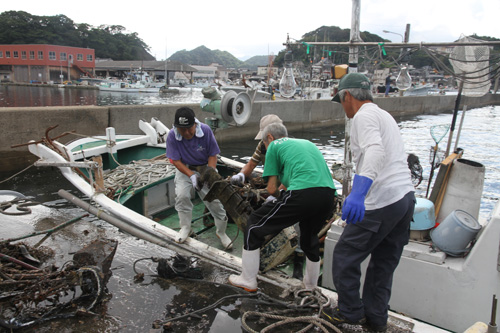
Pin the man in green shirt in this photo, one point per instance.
(309, 200)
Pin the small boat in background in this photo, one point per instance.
(123, 86)
(419, 90)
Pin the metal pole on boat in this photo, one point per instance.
(460, 128)
(353, 68)
(492, 326)
(454, 119)
(134, 231)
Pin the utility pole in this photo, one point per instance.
(353, 68)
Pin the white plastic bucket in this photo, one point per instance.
(455, 233)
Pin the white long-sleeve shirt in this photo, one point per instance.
(378, 153)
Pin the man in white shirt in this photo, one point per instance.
(378, 211)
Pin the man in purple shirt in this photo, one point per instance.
(190, 145)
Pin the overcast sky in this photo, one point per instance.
(257, 27)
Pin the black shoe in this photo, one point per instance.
(334, 316)
(376, 328)
(298, 265)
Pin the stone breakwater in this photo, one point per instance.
(20, 125)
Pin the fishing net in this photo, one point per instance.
(471, 65)
(436, 155)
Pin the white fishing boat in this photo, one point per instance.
(127, 87)
(420, 90)
(319, 89)
(130, 177)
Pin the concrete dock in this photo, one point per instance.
(20, 125)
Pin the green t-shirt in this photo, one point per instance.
(298, 164)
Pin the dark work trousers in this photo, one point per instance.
(383, 233)
(310, 207)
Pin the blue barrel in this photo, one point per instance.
(455, 233)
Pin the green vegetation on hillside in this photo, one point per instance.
(18, 27)
(203, 56)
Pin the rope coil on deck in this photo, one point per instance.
(304, 299)
(136, 174)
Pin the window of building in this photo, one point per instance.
(1, 54)
(79, 57)
(23, 55)
(7, 54)
(52, 55)
(62, 56)
(32, 55)
(89, 57)
(40, 55)
(16, 54)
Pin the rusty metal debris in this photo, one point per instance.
(32, 294)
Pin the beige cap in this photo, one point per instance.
(266, 120)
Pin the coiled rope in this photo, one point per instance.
(304, 299)
(129, 177)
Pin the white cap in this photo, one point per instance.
(266, 120)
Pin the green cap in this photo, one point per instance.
(352, 80)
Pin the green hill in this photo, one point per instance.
(203, 56)
(18, 27)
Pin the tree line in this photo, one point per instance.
(108, 41)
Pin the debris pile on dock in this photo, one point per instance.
(31, 294)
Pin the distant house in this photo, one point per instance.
(45, 63)
(263, 71)
(210, 73)
(221, 73)
(205, 73)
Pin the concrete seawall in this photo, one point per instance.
(20, 125)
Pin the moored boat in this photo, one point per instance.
(122, 86)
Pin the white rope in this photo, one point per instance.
(137, 174)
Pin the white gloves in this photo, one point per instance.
(238, 179)
(195, 180)
(269, 198)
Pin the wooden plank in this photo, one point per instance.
(439, 188)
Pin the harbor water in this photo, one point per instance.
(12, 96)
(133, 306)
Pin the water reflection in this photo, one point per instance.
(26, 96)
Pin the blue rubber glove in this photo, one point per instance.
(353, 209)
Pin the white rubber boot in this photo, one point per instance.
(312, 274)
(220, 226)
(250, 267)
(185, 223)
